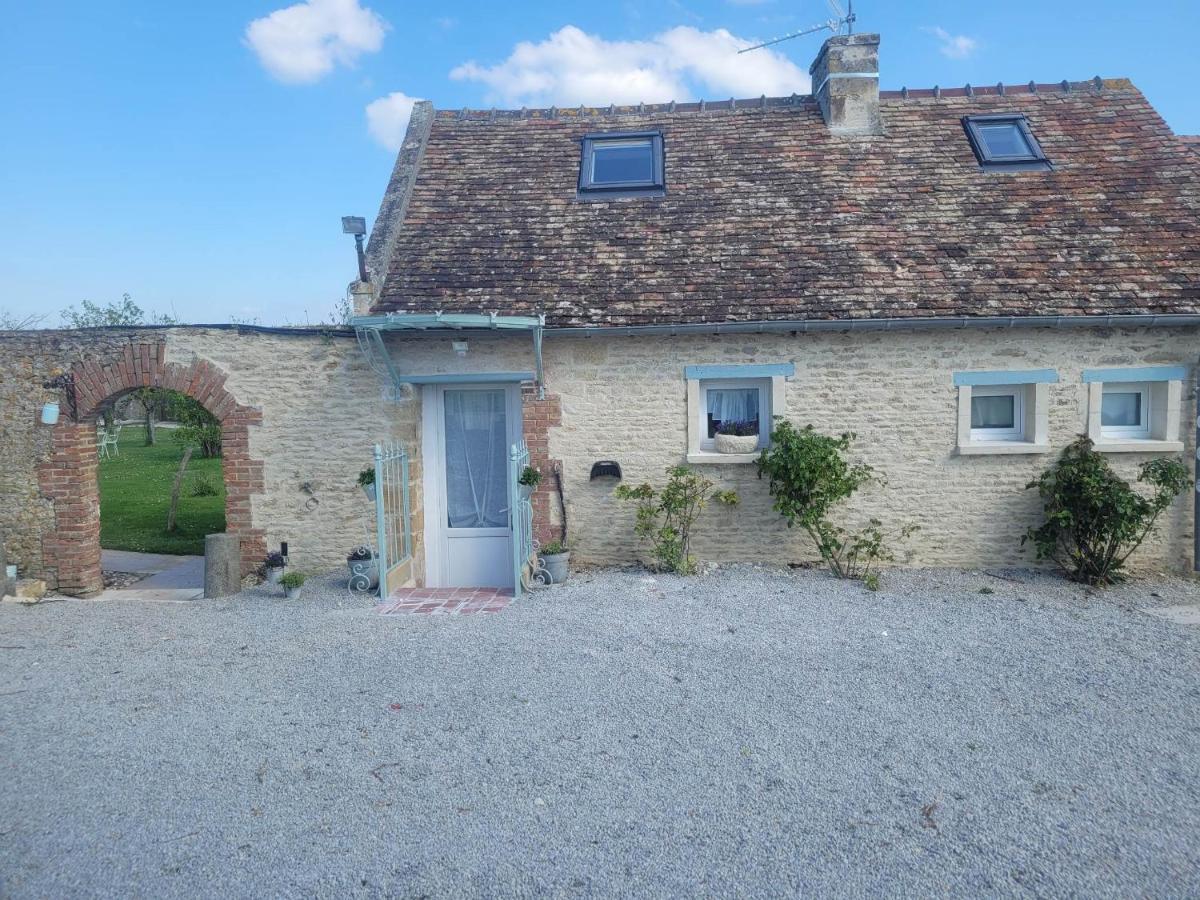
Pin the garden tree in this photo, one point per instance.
(196, 424)
(809, 476)
(665, 517)
(1094, 519)
(10, 321)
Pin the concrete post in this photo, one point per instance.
(222, 565)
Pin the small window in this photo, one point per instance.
(998, 414)
(622, 163)
(1125, 411)
(1004, 142)
(737, 402)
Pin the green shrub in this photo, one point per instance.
(553, 549)
(196, 424)
(203, 485)
(665, 517)
(1094, 519)
(292, 580)
(530, 477)
(366, 477)
(809, 476)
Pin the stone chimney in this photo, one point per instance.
(845, 80)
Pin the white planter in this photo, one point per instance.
(736, 443)
(294, 593)
(526, 490)
(369, 490)
(273, 575)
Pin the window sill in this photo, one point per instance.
(1001, 448)
(705, 456)
(1115, 445)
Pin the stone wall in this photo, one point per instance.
(315, 410)
(624, 398)
(300, 413)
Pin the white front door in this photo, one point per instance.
(468, 432)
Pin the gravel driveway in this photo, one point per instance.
(749, 733)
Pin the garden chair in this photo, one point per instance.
(108, 442)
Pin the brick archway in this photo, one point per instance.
(68, 477)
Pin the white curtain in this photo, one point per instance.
(731, 405)
(476, 461)
(993, 412)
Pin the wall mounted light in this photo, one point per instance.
(460, 347)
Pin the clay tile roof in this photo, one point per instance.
(768, 216)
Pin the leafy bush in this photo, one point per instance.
(1094, 519)
(366, 477)
(203, 485)
(530, 477)
(809, 476)
(196, 424)
(665, 517)
(738, 429)
(554, 548)
(292, 580)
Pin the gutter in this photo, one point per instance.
(913, 323)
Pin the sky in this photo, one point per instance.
(199, 156)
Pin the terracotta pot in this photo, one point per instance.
(736, 443)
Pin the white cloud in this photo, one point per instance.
(953, 46)
(387, 118)
(303, 43)
(572, 67)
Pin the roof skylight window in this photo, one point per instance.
(1005, 142)
(622, 163)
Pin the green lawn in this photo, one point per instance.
(135, 493)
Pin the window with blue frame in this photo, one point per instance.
(628, 162)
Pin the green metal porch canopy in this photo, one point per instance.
(370, 329)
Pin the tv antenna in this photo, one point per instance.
(841, 19)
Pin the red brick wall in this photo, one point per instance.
(539, 416)
(68, 476)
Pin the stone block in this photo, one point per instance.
(222, 565)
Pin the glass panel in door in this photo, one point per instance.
(476, 461)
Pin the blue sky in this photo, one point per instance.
(178, 153)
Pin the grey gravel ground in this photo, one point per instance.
(748, 733)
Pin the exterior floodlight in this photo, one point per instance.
(357, 226)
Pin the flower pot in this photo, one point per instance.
(526, 490)
(736, 443)
(369, 490)
(556, 566)
(274, 574)
(364, 574)
(294, 593)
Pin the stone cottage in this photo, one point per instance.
(967, 279)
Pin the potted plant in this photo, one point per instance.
(528, 481)
(736, 437)
(292, 582)
(364, 569)
(366, 481)
(555, 558)
(273, 565)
